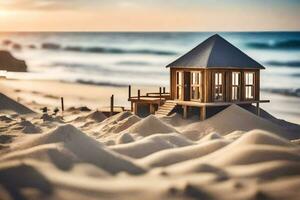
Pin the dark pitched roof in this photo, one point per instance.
(216, 52)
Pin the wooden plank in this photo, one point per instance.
(200, 104)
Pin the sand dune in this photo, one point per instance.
(151, 125)
(233, 155)
(96, 116)
(252, 147)
(151, 144)
(171, 156)
(8, 104)
(85, 148)
(233, 118)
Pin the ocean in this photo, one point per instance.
(139, 58)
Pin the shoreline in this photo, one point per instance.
(48, 93)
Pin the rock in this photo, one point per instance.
(10, 63)
(31, 46)
(6, 42)
(16, 46)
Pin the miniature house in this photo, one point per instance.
(214, 73)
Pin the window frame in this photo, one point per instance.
(252, 86)
(237, 85)
(220, 87)
(198, 85)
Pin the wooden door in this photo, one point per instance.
(187, 86)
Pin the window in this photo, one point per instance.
(249, 85)
(179, 84)
(196, 85)
(218, 96)
(235, 91)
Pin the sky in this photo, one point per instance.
(149, 15)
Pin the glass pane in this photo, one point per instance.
(199, 78)
(251, 79)
(216, 79)
(220, 78)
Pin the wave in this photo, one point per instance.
(284, 64)
(108, 50)
(117, 50)
(109, 70)
(283, 91)
(134, 63)
(81, 81)
(288, 44)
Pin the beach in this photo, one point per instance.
(84, 154)
(69, 131)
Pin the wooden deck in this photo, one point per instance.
(210, 104)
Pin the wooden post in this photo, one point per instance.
(185, 112)
(257, 109)
(202, 113)
(131, 107)
(164, 90)
(139, 94)
(111, 105)
(160, 93)
(135, 108)
(129, 91)
(62, 104)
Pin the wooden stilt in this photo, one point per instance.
(152, 109)
(111, 105)
(185, 112)
(257, 109)
(139, 94)
(135, 108)
(202, 113)
(164, 90)
(131, 106)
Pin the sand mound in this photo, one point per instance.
(262, 137)
(4, 118)
(124, 138)
(28, 127)
(8, 104)
(171, 156)
(252, 147)
(211, 136)
(151, 144)
(118, 117)
(96, 116)
(266, 170)
(86, 149)
(176, 120)
(151, 125)
(55, 154)
(117, 126)
(233, 118)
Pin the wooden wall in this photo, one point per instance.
(208, 80)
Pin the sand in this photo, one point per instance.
(86, 155)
